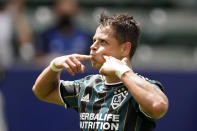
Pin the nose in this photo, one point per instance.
(94, 46)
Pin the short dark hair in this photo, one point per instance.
(126, 28)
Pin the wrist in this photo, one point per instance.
(122, 70)
(54, 67)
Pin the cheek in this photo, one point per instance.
(105, 51)
(99, 58)
(101, 52)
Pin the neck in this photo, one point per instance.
(112, 79)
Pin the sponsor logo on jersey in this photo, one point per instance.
(99, 121)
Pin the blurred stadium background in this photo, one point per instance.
(167, 52)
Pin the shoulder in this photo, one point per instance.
(152, 81)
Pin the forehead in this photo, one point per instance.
(104, 32)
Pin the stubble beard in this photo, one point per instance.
(95, 64)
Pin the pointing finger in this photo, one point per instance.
(83, 57)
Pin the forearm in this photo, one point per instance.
(47, 81)
(46, 85)
(151, 99)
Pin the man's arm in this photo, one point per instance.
(152, 101)
(46, 85)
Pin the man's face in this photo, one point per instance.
(104, 43)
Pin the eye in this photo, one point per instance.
(94, 40)
(103, 42)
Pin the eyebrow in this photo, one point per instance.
(101, 39)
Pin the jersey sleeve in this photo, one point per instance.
(69, 92)
(158, 84)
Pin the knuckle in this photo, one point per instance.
(70, 57)
(66, 60)
(74, 66)
(67, 68)
(78, 65)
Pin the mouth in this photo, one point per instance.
(92, 54)
(93, 57)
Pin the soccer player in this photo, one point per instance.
(115, 99)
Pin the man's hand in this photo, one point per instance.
(112, 65)
(71, 63)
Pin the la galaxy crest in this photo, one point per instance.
(119, 96)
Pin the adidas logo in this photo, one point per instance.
(85, 98)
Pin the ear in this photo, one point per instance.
(125, 50)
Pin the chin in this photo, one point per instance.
(95, 64)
